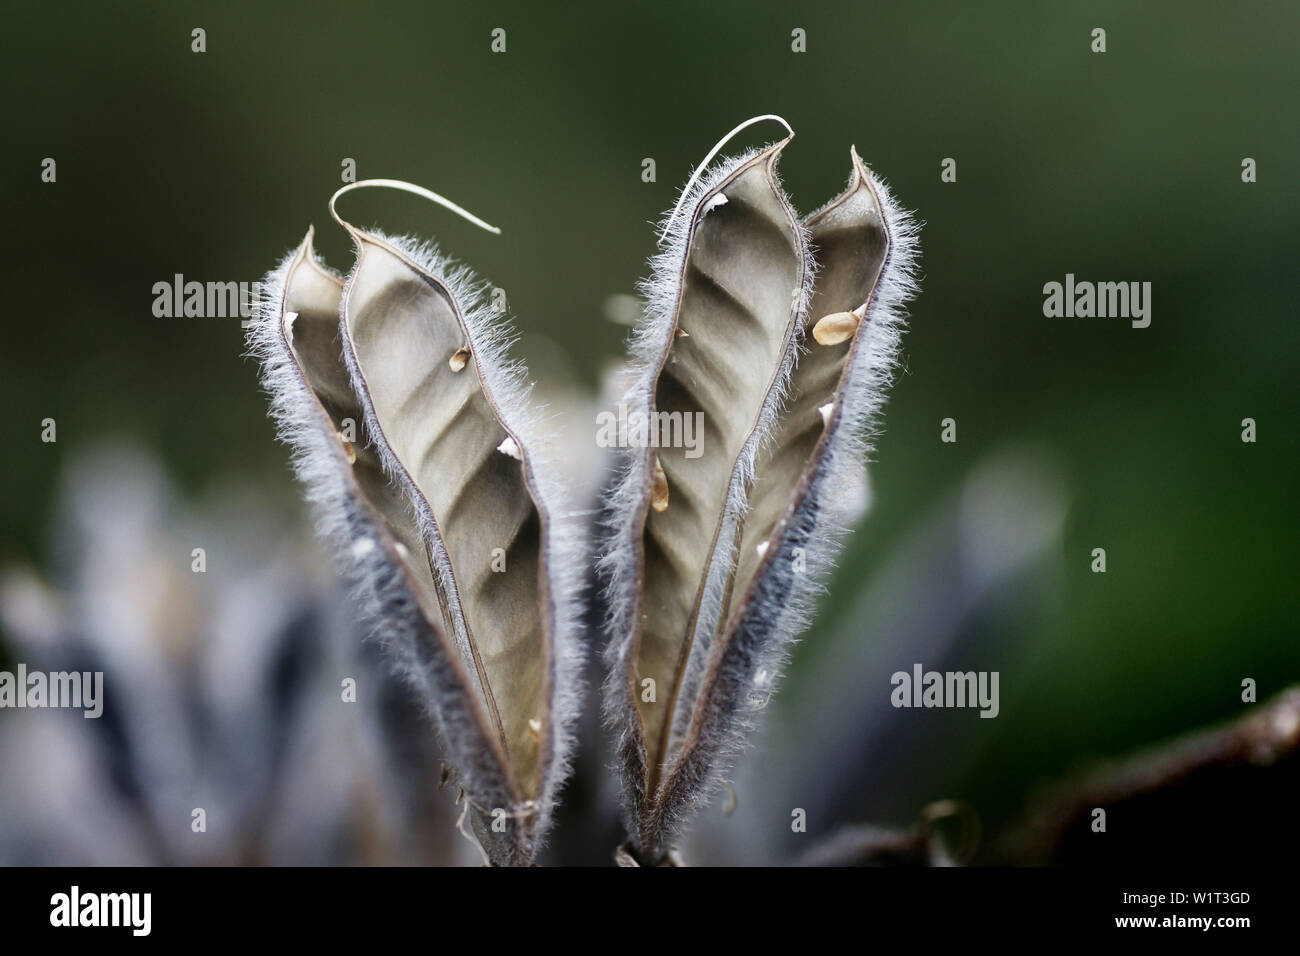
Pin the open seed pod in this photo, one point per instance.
(415, 441)
(711, 555)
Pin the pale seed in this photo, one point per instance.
(659, 488)
(348, 449)
(511, 448)
(835, 328)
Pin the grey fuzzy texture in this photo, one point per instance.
(625, 504)
(373, 567)
(505, 380)
(781, 601)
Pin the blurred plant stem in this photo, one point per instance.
(1154, 797)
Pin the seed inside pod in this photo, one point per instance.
(835, 328)
(535, 727)
(458, 359)
(348, 449)
(511, 448)
(659, 488)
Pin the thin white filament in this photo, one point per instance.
(708, 159)
(411, 188)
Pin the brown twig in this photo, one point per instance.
(1162, 781)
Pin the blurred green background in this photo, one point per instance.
(1117, 166)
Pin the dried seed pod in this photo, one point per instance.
(707, 596)
(726, 273)
(493, 655)
(865, 252)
